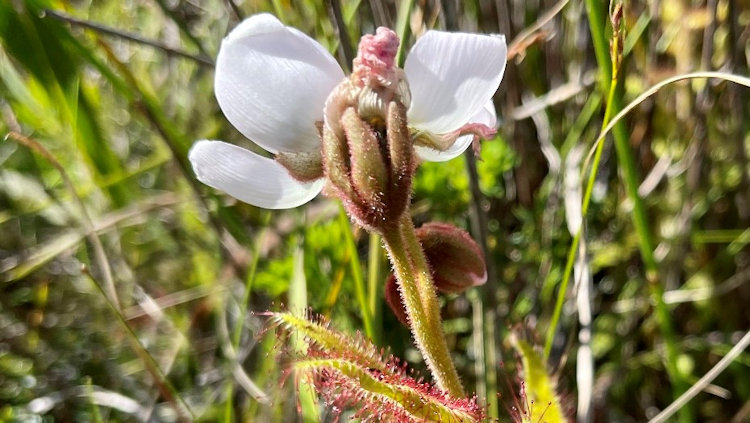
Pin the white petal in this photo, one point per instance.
(249, 177)
(272, 82)
(485, 116)
(451, 76)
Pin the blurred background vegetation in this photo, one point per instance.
(127, 287)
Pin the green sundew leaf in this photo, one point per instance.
(398, 397)
(540, 386)
(332, 341)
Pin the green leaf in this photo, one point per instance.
(350, 371)
(540, 386)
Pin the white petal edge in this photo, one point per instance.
(451, 77)
(249, 177)
(272, 81)
(486, 116)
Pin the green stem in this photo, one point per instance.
(420, 299)
(402, 28)
(584, 211)
(572, 253)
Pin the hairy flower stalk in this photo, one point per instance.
(421, 303)
(367, 156)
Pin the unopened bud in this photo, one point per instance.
(369, 174)
(401, 152)
(617, 41)
(456, 263)
(615, 15)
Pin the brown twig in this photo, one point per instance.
(201, 59)
(534, 33)
(346, 51)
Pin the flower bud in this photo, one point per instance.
(369, 174)
(456, 263)
(402, 165)
(367, 149)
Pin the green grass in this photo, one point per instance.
(122, 274)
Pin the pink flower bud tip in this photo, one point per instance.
(376, 59)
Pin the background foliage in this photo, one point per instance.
(103, 99)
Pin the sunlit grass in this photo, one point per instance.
(129, 289)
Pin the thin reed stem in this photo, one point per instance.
(201, 59)
(626, 162)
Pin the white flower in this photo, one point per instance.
(272, 82)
